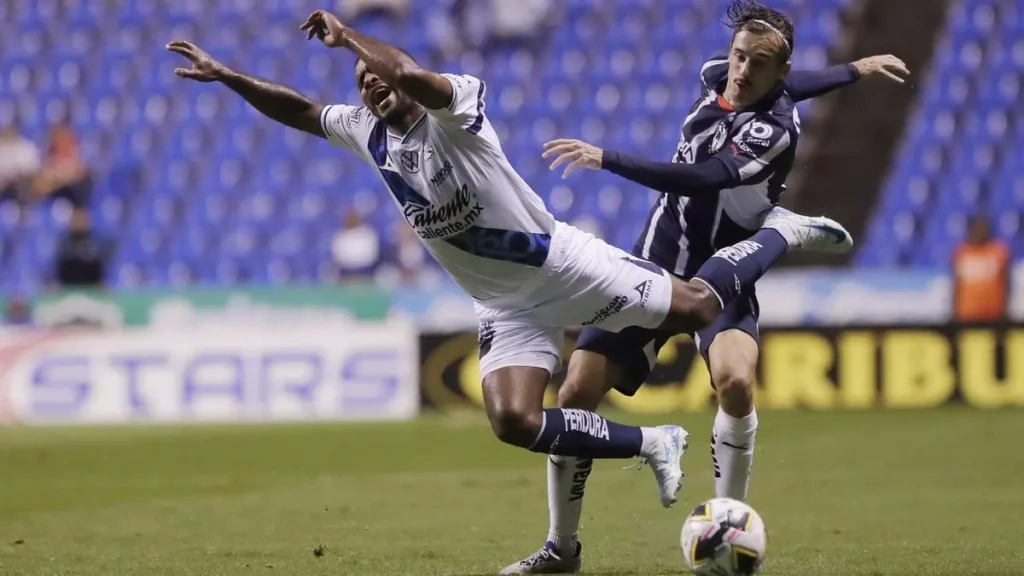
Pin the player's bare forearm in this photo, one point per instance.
(277, 102)
(397, 69)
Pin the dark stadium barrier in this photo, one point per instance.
(820, 368)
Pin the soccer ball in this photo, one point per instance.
(724, 537)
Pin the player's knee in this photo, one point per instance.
(735, 393)
(516, 427)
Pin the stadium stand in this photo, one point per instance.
(963, 150)
(195, 187)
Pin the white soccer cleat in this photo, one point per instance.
(815, 234)
(548, 561)
(664, 461)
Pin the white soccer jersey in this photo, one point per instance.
(455, 187)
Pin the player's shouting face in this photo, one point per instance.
(383, 101)
(757, 62)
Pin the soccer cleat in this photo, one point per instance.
(664, 461)
(815, 234)
(547, 561)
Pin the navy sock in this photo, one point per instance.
(736, 268)
(572, 432)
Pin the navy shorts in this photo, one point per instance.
(635, 349)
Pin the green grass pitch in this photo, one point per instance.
(846, 493)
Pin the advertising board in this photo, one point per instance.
(328, 371)
(817, 368)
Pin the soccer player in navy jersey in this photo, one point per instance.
(722, 186)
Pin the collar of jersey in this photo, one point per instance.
(409, 132)
(763, 104)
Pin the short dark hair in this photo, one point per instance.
(751, 16)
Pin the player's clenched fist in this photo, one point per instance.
(579, 154)
(204, 67)
(326, 27)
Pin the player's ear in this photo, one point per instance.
(784, 70)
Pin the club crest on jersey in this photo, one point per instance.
(355, 116)
(449, 219)
(411, 161)
(718, 140)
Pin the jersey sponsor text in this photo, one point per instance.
(613, 307)
(448, 219)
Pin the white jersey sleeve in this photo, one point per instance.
(466, 109)
(347, 126)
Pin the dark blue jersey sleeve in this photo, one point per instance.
(714, 72)
(670, 177)
(804, 85)
(753, 148)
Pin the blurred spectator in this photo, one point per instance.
(81, 256)
(19, 313)
(484, 25)
(411, 255)
(519, 20)
(19, 163)
(406, 262)
(351, 9)
(356, 248)
(64, 174)
(980, 275)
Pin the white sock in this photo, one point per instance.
(567, 478)
(732, 451)
(652, 437)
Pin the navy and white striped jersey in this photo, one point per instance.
(757, 145)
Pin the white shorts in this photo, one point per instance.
(584, 282)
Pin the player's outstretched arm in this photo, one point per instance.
(672, 178)
(804, 85)
(394, 66)
(275, 101)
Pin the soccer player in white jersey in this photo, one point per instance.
(428, 138)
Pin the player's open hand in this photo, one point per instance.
(204, 67)
(327, 28)
(579, 154)
(887, 65)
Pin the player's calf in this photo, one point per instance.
(732, 359)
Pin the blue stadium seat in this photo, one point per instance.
(970, 108)
(194, 186)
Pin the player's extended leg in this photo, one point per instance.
(602, 360)
(513, 397)
(734, 270)
(590, 377)
(732, 361)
